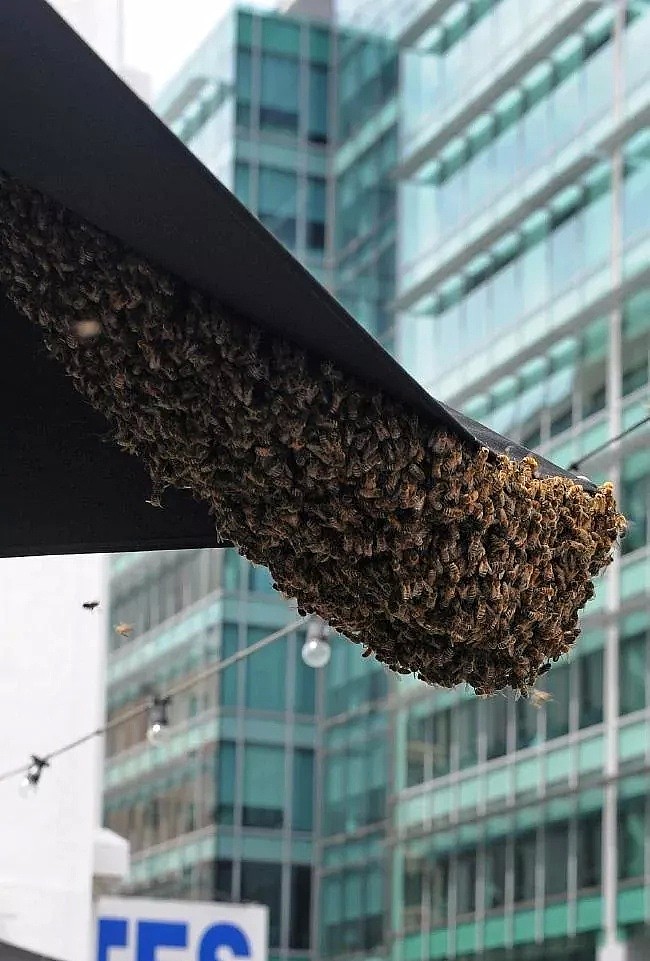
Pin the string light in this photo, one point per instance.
(31, 772)
(158, 727)
(316, 651)
(32, 776)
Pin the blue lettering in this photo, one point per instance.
(112, 934)
(159, 934)
(224, 936)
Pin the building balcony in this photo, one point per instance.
(417, 16)
(597, 139)
(449, 119)
(589, 296)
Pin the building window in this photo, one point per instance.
(557, 709)
(277, 204)
(496, 725)
(259, 579)
(590, 682)
(525, 857)
(526, 717)
(262, 883)
(229, 676)
(318, 103)
(316, 213)
(263, 803)
(631, 837)
(279, 93)
(299, 925)
(467, 733)
(635, 499)
(633, 653)
(495, 874)
(589, 851)
(225, 789)
(466, 883)
(266, 673)
(222, 888)
(303, 789)
(305, 699)
(556, 845)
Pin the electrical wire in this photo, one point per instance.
(179, 688)
(219, 666)
(576, 464)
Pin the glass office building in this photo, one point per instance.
(524, 299)
(225, 809)
(472, 179)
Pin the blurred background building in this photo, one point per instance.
(54, 855)
(472, 179)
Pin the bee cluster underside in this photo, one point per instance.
(441, 560)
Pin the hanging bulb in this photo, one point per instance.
(316, 650)
(158, 727)
(32, 776)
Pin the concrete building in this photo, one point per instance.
(54, 855)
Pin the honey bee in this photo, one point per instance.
(87, 329)
(124, 630)
(539, 698)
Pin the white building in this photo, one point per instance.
(54, 856)
(101, 23)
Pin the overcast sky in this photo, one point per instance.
(161, 34)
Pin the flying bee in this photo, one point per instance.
(90, 605)
(87, 329)
(539, 698)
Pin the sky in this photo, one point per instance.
(161, 34)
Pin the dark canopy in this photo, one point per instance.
(9, 952)
(73, 130)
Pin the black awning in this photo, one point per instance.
(72, 130)
(232, 373)
(9, 952)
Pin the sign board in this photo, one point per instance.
(138, 929)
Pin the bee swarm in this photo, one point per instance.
(441, 560)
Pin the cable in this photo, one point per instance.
(252, 648)
(608, 443)
(172, 692)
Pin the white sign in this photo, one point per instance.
(138, 929)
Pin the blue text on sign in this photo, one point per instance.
(151, 935)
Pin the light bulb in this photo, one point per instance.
(157, 733)
(158, 727)
(316, 652)
(29, 783)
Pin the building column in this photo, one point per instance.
(613, 949)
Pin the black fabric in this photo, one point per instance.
(71, 129)
(9, 952)
(64, 486)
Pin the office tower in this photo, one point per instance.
(483, 208)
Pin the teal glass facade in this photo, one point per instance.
(225, 808)
(253, 104)
(471, 178)
(523, 296)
